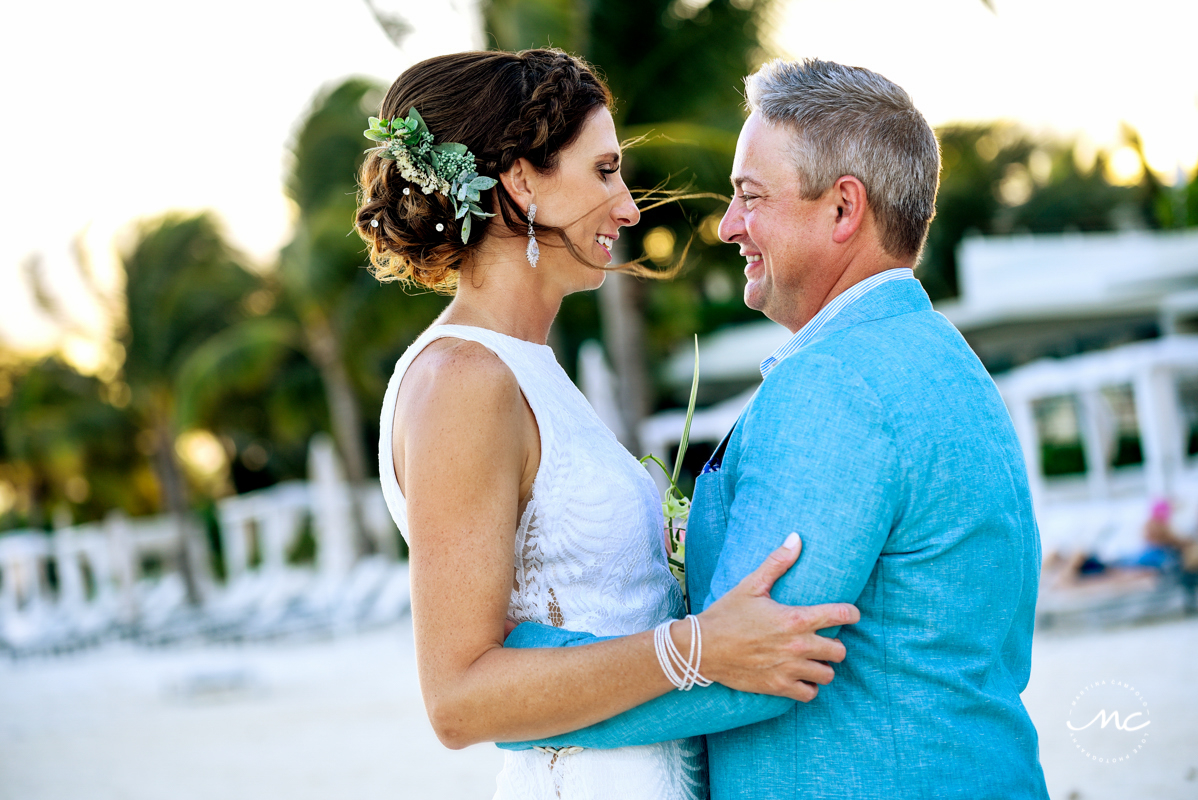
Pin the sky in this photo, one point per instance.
(123, 110)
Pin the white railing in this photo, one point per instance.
(100, 588)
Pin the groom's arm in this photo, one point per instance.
(819, 459)
(816, 459)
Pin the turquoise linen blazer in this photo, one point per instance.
(885, 445)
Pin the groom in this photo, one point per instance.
(879, 437)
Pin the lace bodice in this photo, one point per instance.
(589, 556)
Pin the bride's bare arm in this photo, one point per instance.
(465, 454)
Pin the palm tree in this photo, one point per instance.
(64, 444)
(183, 285)
(329, 308)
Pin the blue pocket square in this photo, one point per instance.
(717, 458)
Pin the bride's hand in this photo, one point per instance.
(753, 644)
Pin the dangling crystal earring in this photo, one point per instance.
(533, 253)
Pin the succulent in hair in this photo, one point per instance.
(447, 168)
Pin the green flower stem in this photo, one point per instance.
(690, 414)
(675, 505)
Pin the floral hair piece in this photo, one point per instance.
(447, 168)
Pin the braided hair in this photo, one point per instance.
(503, 107)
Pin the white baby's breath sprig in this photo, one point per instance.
(447, 168)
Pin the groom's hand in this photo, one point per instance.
(754, 644)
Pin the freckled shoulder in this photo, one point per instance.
(455, 374)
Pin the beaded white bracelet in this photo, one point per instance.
(671, 660)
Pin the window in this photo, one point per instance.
(1059, 427)
(1187, 397)
(1126, 449)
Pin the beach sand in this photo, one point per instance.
(343, 718)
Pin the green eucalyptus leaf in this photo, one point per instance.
(466, 229)
(461, 193)
(483, 183)
(374, 135)
(472, 194)
(387, 154)
(461, 211)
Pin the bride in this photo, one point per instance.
(497, 178)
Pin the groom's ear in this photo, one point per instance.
(849, 195)
(520, 182)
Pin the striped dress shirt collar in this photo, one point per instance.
(838, 304)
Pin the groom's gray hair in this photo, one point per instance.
(851, 121)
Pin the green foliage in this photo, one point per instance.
(525, 24)
(1191, 200)
(677, 74)
(447, 167)
(257, 358)
(1062, 459)
(354, 328)
(243, 358)
(94, 445)
(62, 444)
(183, 285)
(328, 329)
(988, 186)
(328, 145)
(303, 551)
(1178, 207)
(207, 346)
(212, 539)
(252, 384)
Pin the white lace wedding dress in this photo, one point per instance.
(589, 556)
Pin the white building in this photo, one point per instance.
(1032, 296)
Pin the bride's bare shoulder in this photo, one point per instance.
(460, 400)
(457, 373)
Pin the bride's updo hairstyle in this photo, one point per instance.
(502, 106)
